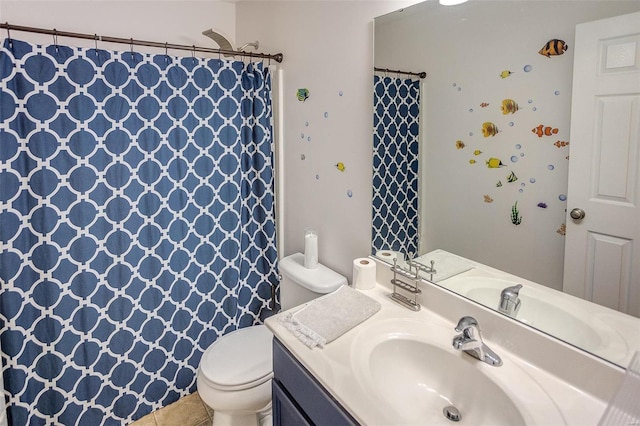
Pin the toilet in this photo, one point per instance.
(234, 377)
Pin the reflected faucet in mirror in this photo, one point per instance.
(509, 300)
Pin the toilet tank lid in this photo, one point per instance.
(319, 280)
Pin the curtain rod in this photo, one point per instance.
(278, 57)
(421, 74)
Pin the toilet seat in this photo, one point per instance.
(239, 360)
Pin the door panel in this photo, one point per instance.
(602, 250)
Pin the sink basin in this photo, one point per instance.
(423, 389)
(417, 374)
(542, 311)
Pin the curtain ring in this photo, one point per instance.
(95, 39)
(131, 45)
(193, 53)
(55, 39)
(9, 35)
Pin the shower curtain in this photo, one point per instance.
(396, 111)
(137, 225)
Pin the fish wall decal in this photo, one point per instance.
(509, 106)
(494, 163)
(489, 129)
(542, 130)
(553, 47)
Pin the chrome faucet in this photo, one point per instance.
(470, 341)
(509, 301)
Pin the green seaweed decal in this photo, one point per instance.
(516, 219)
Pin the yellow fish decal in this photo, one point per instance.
(505, 74)
(459, 144)
(489, 129)
(472, 161)
(509, 106)
(477, 152)
(340, 166)
(494, 163)
(553, 47)
(488, 199)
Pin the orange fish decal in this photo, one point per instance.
(542, 130)
(553, 47)
(484, 105)
(561, 143)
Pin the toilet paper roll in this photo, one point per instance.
(364, 274)
(310, 249)
(388, 255)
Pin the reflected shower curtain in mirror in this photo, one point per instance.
(395, 165)
(137, 212)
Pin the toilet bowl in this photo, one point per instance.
(234, 376)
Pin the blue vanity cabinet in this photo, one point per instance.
(298, 398)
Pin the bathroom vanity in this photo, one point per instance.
(298, 398)
(399, 367)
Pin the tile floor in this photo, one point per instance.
(187, 411)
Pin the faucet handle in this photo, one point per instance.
(511, 292)
(465, 323)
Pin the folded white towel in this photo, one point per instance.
(446, 264)
(325, 319)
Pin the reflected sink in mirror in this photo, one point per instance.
(413, 368)
(554, 313)
(599, 330)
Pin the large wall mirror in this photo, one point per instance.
(498, 146)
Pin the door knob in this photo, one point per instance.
(577, 214)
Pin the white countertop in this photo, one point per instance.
(338, 366)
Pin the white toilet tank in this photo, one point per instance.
(300, 285)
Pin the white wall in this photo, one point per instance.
(328, 49)
(179, 22)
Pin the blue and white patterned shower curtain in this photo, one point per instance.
(137, 225)
(396, 110)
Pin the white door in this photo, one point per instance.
(602, 251)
